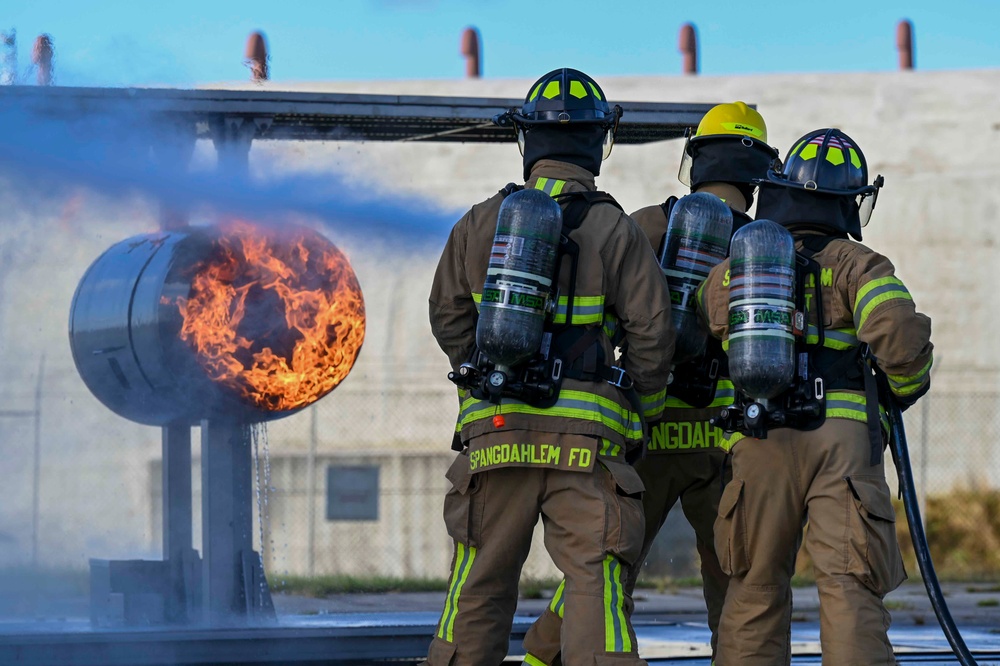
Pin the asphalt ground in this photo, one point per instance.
(372, 629)
(672, 624)
(971, 604)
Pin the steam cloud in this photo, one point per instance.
(118, 157)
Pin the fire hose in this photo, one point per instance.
(901, 458)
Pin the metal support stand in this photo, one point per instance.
(235, 589)
(183, 598)
(227, 586)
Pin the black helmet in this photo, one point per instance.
(562, 101)
(828, 162)
(566, 96)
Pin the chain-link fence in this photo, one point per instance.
(354, 485)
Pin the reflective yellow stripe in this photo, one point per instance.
(557, 604)
(532, 660)
(609, 449)
(833, 338)
(586, 309)
(616, 636)
(652, 405)
(611, 327)
(875, 293)
(839, 405)
(464, 557)
(571, 404)
(550, 186)
(905, 385)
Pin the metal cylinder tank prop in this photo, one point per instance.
(205, 322)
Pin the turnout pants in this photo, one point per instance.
(851, 537)
(696, 479)
(593, 532)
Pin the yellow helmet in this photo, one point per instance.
(734, 118)
(729, 146)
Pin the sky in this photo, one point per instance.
(196, 42)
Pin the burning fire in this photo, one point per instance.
(278, 317)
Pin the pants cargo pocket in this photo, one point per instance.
(731, 531)
(873, 555)
(624, 524)
(463, 506)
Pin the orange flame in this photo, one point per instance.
(278, 318)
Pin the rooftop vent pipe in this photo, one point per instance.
(904, 44)
(256, 56)
(41, 56)
(470, 49)
(687, 43)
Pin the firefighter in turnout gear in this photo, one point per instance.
(523, 453)
(825, 464)
(684, 461)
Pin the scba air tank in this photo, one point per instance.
(762, 309)
(697, 240)
(519, 278)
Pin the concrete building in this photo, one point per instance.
(935, 136)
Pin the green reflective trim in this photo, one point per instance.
(653, 404)
(571, 404)
(609, 449)
(464, 557)
(534, 93)
(809, 151)
(586, 310)
(577, 90)
(855, 158)
(875, 293)
(907, 384)
(840, 339)
(839, 405)
(557, 604)
(551, 186)
(593, 89)
(532, 660)
(611, 326)
(834, 155)
(551, 90)
(616, 636)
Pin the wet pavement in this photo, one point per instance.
(377, 628)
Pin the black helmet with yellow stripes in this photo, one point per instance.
(826, 165)
(563, 102)
(566, 96)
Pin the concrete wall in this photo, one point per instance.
(933, 135)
